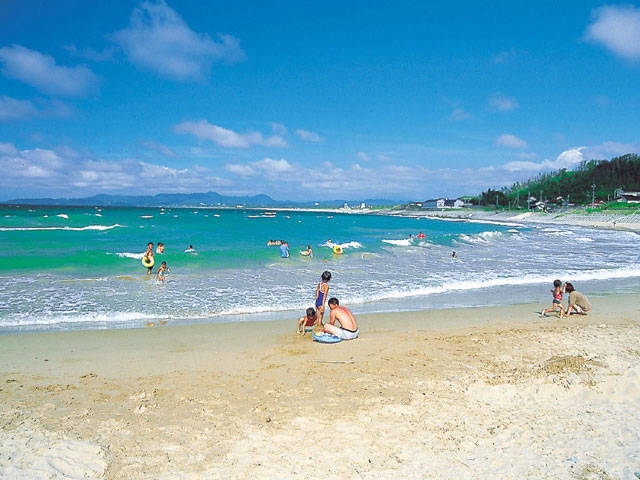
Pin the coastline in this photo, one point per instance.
(600, 220)
(464, 393)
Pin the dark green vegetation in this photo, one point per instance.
(595, 180)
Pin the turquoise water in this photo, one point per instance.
(67, 268)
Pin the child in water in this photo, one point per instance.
(557, 299)
(162, 272)
(308, 320)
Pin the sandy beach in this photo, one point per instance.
(465, 393)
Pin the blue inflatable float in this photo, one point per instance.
(325, 337)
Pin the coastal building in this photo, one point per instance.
(629, 197)
(439, 203)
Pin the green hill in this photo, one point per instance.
(599, 180)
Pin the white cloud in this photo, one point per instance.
(567, 159)
(268, 165)
(159, 40)
(617, 27)
(203, 130)
(8, 149)
(41, 72)
(510, 141)
(12, 109)
(266, 168)
(309, 136)
(364, 157)
(611, 149)
(160, 148)
(459, 115)
(44, 172)
(241, 170)
(503, 103)
(68, 173)
(504, 56)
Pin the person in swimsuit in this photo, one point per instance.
(309, 320)
(149, 256)
(348, 329)
(322, 290)
(557, 299)
(162, 272)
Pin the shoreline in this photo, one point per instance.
(463, 393)
(600, 220)
(596, 221)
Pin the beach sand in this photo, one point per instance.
(466, 393)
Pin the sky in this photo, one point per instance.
(303, 100)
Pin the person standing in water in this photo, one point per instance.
(162, 272)
(148, 256)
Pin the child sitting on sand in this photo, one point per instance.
(308, 320)
(557, 299)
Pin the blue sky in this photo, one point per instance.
(310, 100)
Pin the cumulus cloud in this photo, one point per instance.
(66, 173)
(41, 72)
(158, 40)
(572, 157)
(266, 167)
(566, 159)
(241, 170)
(224, 137)
(502, 103)
(510, 141)
(269, 165)
(617, 28)
(309, 136)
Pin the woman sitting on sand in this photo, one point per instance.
(578, 302)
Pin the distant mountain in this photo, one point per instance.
(208, 199)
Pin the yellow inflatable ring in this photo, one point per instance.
(337, 249)
(147, 262)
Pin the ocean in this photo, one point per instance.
(65, 268)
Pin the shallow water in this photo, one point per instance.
(67, 268)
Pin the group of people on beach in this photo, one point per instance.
(578, 302)
(347, 328)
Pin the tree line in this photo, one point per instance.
(597, 180)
